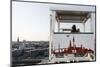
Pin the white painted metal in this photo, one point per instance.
(92, 22)
(73, 8)
(52, 27)
(86, 39)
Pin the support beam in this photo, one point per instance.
(52, 29)
(58, 26)
(92, 20)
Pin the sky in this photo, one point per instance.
(87, 40)
(31, 22)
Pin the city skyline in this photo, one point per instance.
(31, 21)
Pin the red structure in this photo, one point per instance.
(72, 49)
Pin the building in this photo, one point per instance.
(73, 53)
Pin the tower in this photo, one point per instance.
(59, 47)
(81, 46)
(70, 45)
(17, 39)
(73, 41)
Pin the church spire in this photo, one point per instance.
(59, 47)
(18, 39)
(73, 41)
(70, 45)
